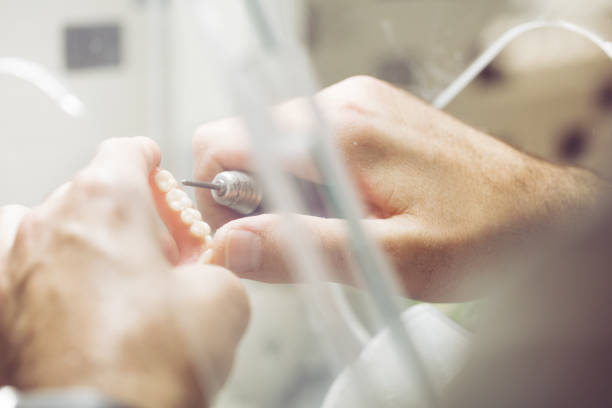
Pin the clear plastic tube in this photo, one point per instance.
(266, 69)
(467, 76)
(262, 76)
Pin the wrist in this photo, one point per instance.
(128, 371)
(570, 193)
(132, 389)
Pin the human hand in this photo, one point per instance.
(10, 218)
(90, 297)
(442, 198)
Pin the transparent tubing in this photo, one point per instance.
(254, 86)
(497, 47)
(250, 97)
(45, 81)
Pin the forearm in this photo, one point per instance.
(565, 196)
(124, 371)
(529, 205)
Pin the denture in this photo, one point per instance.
(184, 222)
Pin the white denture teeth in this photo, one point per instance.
(209, 240)
(186, 202)
(190, 215)
(200, 229)
(165, 181)
(178, 200)
(175, 195)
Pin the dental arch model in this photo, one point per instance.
(184, 222)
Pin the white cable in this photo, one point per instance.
(493, 51)
(44, 80)
(8, 397)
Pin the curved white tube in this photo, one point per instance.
(8, 397)
(44, 80)
(442, 344)
(493, 51)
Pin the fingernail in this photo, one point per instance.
(243, 252)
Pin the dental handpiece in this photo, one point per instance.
(233, 189)
(242, 193)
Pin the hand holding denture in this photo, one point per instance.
(90, 294)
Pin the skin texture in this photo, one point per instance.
(89, 295)
(444, 201)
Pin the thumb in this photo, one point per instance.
(213, 314)
(257, 247)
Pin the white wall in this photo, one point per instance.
(40, 146)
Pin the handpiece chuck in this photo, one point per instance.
(233, 189)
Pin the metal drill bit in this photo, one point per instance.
(202, 184)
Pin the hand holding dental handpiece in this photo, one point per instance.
(241, 192)
(442, 198)
(88, 297)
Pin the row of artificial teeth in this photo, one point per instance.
(165, 181)
(190, 215)
(200, 229)
(178, 200)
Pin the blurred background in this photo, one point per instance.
(97, 69)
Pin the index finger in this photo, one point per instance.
(226, 145)
(121, 164)
(116, 178)
(120, 157)
(218, 146)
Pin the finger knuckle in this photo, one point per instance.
(353, 115)
(92, 184)
(355, 98)
(98, 192)
(355, 133)
(362, 84)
